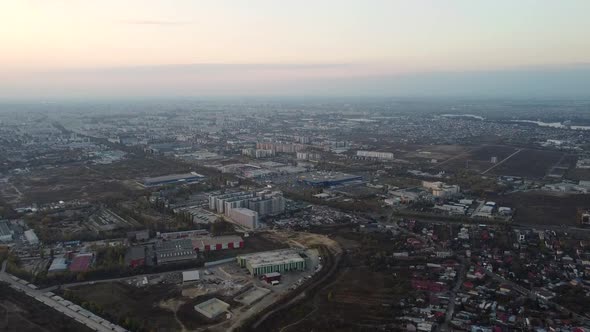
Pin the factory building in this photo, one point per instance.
(175, 251)
(273, 261)
(244, 217)
(202, 244)
(182, 234)
(173, 179)
(375, 155)
(331, 179)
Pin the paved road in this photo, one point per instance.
(39, 296)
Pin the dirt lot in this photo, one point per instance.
(545, 208)
(20, 313)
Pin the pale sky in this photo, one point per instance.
(89, 47)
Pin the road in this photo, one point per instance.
(41, 297)
(451, 307)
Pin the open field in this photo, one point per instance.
(529, 163)
(359, 297)
(118, 301)
(20, 313)
(545, 208)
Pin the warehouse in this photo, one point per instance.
(31, 237)
(172, 179)
(330, 179)
(202, 244)
(273, 261)
(59, 264)
(175, 251)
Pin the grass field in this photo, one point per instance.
(544, 208)
(529, 163)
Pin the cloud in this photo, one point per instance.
(152, 22)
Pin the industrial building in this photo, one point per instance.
(198, 215)
(273, 261)
(244, 217)
(172, 179)
(174, 251)
(375, 155)
(206, 243)
(331, 179)
(182, 234)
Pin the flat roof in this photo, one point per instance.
(212, 307)
(190, 275)
(174, 177)
(329, 177)
(246, 211)
(275, 257)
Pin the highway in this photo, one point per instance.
(98, 324)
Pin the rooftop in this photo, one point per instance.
(283, 256)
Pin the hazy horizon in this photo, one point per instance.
(86, 49)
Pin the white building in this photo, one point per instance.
(244, 217)
(375, 155)
(31, 237)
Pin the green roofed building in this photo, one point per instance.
(273, 261)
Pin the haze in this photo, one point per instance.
(386, 48)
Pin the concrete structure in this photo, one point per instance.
(190, 276)
(375, 155)
(244, 217)
(273, 261)
(173, 179)
(212, 308)
(31, 237)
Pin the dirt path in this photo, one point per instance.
(501, 162)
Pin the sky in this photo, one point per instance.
(79, 48)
